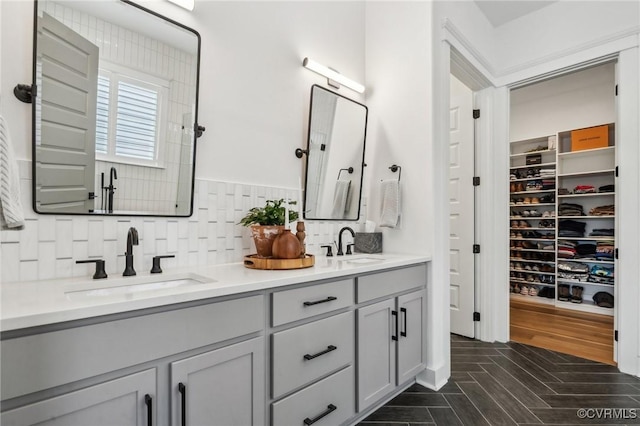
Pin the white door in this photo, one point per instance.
(461, 202)
(66, 99)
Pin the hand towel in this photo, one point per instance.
(11, 213)
(390, 194)
(340, 197)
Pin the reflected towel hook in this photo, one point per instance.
(395, 168)
(24, 92)
(350, 170)
(300, 152)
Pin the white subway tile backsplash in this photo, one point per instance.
(49, 245)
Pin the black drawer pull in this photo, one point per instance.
(326, 351)
(183, 398)
(395, 315)
(149, 402)
(404, 333)
(330, 408)
(328, 299)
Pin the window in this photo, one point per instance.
(131, 114)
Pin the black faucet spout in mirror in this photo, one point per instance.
(132, 240)
(353, 234)
(113, 175)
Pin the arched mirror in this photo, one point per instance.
(114, 111)
(335, 156)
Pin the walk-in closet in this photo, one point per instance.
(562, 213)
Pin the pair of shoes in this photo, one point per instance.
(576, 294)
(548, 292)
(524, 290)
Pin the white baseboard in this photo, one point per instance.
(434, 379)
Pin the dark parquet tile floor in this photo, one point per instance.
(515, 384)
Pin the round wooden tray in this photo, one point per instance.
(254, 262)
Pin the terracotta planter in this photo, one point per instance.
(263, 238)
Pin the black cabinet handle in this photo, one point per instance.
(326, 351)
(149, 402)
(395, 315)
(328, 299)
(183, 398)
(404, 312)
(329, 410)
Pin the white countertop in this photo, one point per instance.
(36, 303)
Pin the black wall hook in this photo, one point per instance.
(24, 93)
(300, 152)
(199, 130)
(395, 168)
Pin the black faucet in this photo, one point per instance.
(353, 234)
(113, 175)
(132, 240)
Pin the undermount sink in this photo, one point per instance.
(361, 260)
(146, 284)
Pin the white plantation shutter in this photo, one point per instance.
(129, 118)
(137, 117)
(102, 115)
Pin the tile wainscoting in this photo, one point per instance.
(48, 246)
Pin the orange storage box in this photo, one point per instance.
(590, 138)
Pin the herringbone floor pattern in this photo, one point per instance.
(515, 384)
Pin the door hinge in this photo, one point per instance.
(323, 147)
(476, 316)
(476, 113)
(92, 195)
(616, 253)
(615, 335)
(476, 181)
(616, 171)
(616, 90)
(476, 248)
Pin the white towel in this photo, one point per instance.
(340, 197)
(11, 213)
(390, 194)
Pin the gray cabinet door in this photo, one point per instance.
(223, 387)
(119, 402)
(410, 341)
(376, 352)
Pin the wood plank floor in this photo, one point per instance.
(516, 384)
(582, 334)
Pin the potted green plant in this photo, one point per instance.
(267, 222)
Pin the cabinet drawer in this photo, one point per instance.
(304, 353)
(334, 397)
(305, 302)
(85, 351)
(386, 283)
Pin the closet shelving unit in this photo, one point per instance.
(529, 263)
(594, 167)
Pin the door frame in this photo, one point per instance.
(493, 154)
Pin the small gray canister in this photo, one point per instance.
(368, 242)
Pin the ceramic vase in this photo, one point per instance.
(286, 246)
(264, 237)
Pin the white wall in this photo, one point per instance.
(572, 101)
(254, 101)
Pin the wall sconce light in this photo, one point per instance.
(186, 4)
(334, 78)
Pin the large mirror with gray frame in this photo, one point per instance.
(114, 110)
(335, 156)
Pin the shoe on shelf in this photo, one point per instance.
(564, 294)
(533, 290)
(512, 187)
(524, 290)
(576, 294)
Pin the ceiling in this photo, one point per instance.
(503, 11)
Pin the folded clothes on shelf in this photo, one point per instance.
(569, 209)
(573, 271)
(602, 233)
(584, 189)
(608, 210)
(571, 228)
(606, 188)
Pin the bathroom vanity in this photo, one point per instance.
(324, 345)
